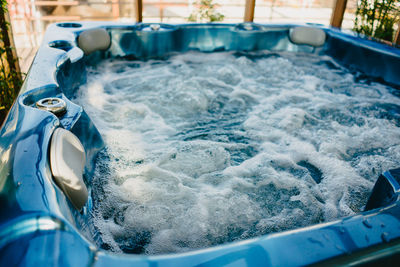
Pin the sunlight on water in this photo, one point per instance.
(204, 149)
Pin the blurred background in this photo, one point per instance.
(29, 18)
(24, 22)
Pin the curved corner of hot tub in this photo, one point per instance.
(38, 221)
(37, 215)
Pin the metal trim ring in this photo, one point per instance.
(54, 105)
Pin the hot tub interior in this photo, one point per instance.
(208, 148)
(202, 135)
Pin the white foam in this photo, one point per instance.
(204, 149)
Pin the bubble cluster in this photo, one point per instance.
(204, 149)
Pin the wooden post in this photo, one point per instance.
(337, 13)
(397, 37)
(249, 10)
(161, 10)
(115, 9)
(139, 10)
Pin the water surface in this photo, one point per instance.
(208, 148)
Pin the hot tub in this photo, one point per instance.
(49, 147)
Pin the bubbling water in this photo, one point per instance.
(204, 149)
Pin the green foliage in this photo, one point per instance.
(206, 12)
(10, 79)
(377, 18)
(10, 83)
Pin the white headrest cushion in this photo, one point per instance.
(93, 40)
(307, 35)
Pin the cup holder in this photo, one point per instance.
(156, 27)
(69, 25)
(63, 45)
(247, 26)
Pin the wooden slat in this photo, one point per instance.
(56, 3)
(8, 41)
(397, 37)
(72, 3)
(338, 13)
(139, 10)
(167, 4)
(57, 18)
(249, 10)
(115, 9)
(27, 56)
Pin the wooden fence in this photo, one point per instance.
(30, 18)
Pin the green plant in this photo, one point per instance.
(10, 76)
(206, 12)
(377, 18)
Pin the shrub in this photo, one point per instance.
(377, 18)
(206, 12)
(10, 77)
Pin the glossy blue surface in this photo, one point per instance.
(38, 225)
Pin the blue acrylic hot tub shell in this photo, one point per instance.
(38, 224)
